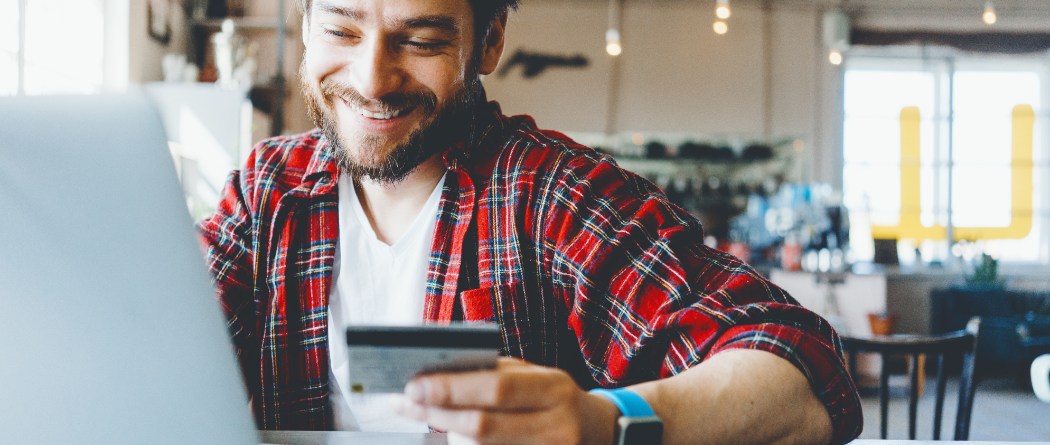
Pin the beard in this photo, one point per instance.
(439, 129)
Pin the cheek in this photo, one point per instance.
(319, 63)
(442, 80)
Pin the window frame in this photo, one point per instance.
(944, 64)
(115, 48)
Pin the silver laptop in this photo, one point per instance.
(110, 332)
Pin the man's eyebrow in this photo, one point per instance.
(352, 13)
(441, 22)
(437, 21)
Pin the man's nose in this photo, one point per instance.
(378, 70)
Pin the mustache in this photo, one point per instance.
(331, 89)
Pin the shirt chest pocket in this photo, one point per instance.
(479, 305)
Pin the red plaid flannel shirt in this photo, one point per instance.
(584, 266)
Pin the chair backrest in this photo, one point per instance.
(953, 344)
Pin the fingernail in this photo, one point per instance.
(416, 390)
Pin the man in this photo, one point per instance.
(417, 200)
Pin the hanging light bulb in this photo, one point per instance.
(612, 42)
(720, 27)
(722, 10)
(836, 26)
(989, 17)
(835, 57)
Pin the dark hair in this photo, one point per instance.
(485, 11)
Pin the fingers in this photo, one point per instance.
(511, 362)
(500, 427)
(515, 403)
(513, 386)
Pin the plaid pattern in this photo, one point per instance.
(585, 267)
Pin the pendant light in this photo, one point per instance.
(989, 17)
(836, 34)
(722, 10)
(613, 43)
(720, 27)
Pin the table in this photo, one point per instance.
(844, 299)
(354, 438)
(347, 437)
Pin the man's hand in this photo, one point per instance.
(515, 403)
(736, 396)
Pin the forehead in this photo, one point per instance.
(442, 13)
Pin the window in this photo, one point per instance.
(10, 40)
(976, 126)
(52, 46)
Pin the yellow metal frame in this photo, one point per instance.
(910, 226)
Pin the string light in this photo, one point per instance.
(989, 17)
(720, 27)
(722, 10)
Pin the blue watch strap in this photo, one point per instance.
(629, 402)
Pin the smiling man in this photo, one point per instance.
(416, 199)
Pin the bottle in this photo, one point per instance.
(791, 253)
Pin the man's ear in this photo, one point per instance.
(492, 45)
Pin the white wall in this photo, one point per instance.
(765, 78)
(145, 53)
(566, 99)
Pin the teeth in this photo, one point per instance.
(386, 115)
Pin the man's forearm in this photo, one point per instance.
(740, 397)
(736, 396)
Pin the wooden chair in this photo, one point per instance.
(959, 343)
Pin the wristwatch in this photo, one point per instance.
(637, 424)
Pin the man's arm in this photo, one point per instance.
(727, 355)
(737, 396)
(226, 238)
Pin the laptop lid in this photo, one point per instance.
(110, 331)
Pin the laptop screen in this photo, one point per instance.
(111, 331)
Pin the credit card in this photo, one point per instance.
(384, 358)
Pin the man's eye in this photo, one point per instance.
(427, 45)
(337, 33)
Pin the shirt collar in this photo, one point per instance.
(322, 171)
(490, 123)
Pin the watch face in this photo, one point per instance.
(640, 430)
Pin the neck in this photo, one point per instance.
(391, 207)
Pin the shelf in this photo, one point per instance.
(243, 24)
(268, 97)
(732, 170)
(691, 162)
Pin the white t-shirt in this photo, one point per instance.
(374, 283)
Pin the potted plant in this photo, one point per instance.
(985, 274)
